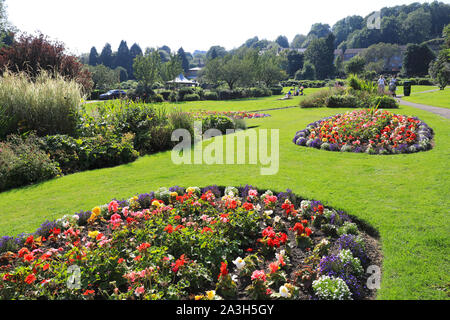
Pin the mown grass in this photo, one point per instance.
(439, 98)
(405, 197)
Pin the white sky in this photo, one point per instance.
(192, 24)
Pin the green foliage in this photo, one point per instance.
(417, 59)
(355, 65)
(147, 69)
(23, 162)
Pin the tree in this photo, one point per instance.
(93, 57)
(307, 73)
(147, 69)
(318, 31)
(416, 60)
(417, 26)
(171, 69)
(298, 41)
(294, 62)
(380, 57)
(166, 49)
(135, 51)
(106, 57)
(391, 30)
(124, 58)
(103, 77)
(282, 41)
(184, 61)
(269, 71)
(440, 68)
(215, 52)
(346, 26)
(31, 54)
(355, 65)
(321, 54)
(250, 42)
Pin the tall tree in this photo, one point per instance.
(184, 61)
(106, 56)
(93, 57)
(321, 54)
(416, 59)
(171, 69)
(294, 62)
(346, 26)
(417, 26)
(124, 58)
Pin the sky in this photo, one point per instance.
(191, 24)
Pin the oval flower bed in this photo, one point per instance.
(231, 114)
(370, 131)
(207, 244)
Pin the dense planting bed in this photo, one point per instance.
(211, 243)
(370, 131)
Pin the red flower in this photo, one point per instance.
(30, 278)
(206, 229)
(144, 246)
(88, 292)
(179, 263)
(308, 231)
(120, 260)
(23, 252)
(274, 267)
(248, 206)
(223, 270)
(45, 267)
(28, 257)
(29, 240)
(169, 228)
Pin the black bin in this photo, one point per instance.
(406, 88)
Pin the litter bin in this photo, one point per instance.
(406, 88)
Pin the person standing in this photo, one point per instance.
(381, 85)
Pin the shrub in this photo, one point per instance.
(317, 99)
(384, 102)
(165, 94)
(47, 105)
(221, 123)
(211, 95)
(276, 91)
(343, 101)
(89, 153)
(23, 162)
(157, 98)
(191, 97)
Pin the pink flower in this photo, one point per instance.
(259, 275)
(139, 291)
(113, 206)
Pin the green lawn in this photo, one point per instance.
(439, 98)
(405, 197)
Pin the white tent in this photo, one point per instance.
(181, 80)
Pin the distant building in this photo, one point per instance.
(192, 74)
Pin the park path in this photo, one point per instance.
(443, 112)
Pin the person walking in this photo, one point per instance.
(393, 86)
(381, 85)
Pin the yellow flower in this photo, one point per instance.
(211, 294)
(199, 297)
(174, 194)
(190, 189)
(93, 234)
(96, 211)
(156, 204)
(324, 139)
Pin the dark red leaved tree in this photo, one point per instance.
(30, 54)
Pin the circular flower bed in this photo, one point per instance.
(373, 132)
(203, 244)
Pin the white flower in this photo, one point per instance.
(284, 292)
(239, 262)
(277, 219)
(258, 207)
(76, 217)
(268, 212)
(234, 278)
